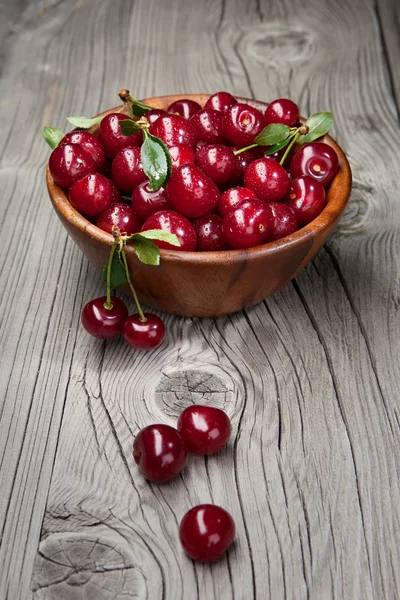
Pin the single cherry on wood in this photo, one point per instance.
(102, 322)
(206, 532)
(159, 452)
(144, 334)
(204, 429)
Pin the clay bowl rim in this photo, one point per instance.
(338, 195)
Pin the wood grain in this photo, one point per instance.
(309, 377)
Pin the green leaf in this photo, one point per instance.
(147, 251)
(276, 147)
(53, 136)
(318, 125)
(118, 275)
(129, 127)
(273, 134)
(84, 122)
(160, 234)
(154, 158)
(138, 109)
(167, 155)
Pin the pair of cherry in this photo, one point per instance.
(160, 451)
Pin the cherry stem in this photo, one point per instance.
(108, 305)
(288, 149)
(139, 308)
(236, 152)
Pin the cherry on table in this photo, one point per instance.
(242, 123)
(209, 234)
(206, 532)
(306, 197)
(185, 108)
(191, 192)
(173, 130)
(249, 225)
(267, 178)
(90, 143)
(284, 221)
(111, 136)
(208, 126)
(282, 111)
(92, 194)
(220, 101)
(204, 429)
(159, 452)
(101, 322)
(68, 163)
(317, 160)
(120, 215)
(144, 335)
(233, 198)
(146, 202)
(153, 114)
(181, 155)
(127, 170)
(170, 220)
(217, 162)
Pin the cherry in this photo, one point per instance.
(68, 163)
(283, 111)
(217, 162)
(249, 225)
(204, 429)
(111, 136)
(209, 233)
(169, 220)
(127, 170)
(267, 178)
(306, 197)
(101, 322)
(153, 114)
(284, 221)
(120, 215)
(208, 126)
(220, 101)
(145, 202)
(92, 194)
(181, 155)
(159, 452)
(185, 108)
(191, 192)
(233, 198)
(144, 335)
(206, 532)
(242, 123)
(318, 160)
(173, 130)
(242, 162)
(90, 143)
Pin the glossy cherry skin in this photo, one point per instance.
(153, 114)
(92, 194)
(204, 429)
(145, 202)
(208, 126)
(284, 221)
(120, 215)
(185, 108)
(173, 130)
(283, 111)
(101, 322)
(191, 192)
(233, 198)
(318, 160)
(242, 123)
(209, 233)
(68, 163)
(217, 162)
(242, 162)
(90, 143)
(111, 136)
(127, 170)
(181, 155)
(169, 220)
(144, 335)
(206, 532)
(159, 452)
(267, 178)
(220, 101)
(306, 197)
(249, 225)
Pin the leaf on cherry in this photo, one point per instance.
(118, 274)
(147, 251)
(275, 147)
(53, 136)
(129, 127)
(156, 161)
(138, 109)
(318, 125)
(84, 122)
(273, 134)
(160, 234)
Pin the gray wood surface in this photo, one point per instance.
(310, 377)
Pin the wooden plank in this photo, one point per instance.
(388, 19)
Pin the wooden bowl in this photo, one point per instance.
(208, 284)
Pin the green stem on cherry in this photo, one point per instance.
(108, 305)
(139, 308)
(290, 146)
(236, 152)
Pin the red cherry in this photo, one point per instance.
(242, 123)
(233, 198)
(169, 220)
(209, 233)
(127, 170)
(318, 160)
(306, 197)
(101, 322)
(249, 225)
(267, 178)
(159, 452)
(204, 429)
(206, 532)
(68, 163)
(283, 111)
(120, 215)
(153, 114)
(208, 126)
(144, 335)
(191, 192)
(173, 130)
(92, 194)
(242, 162)
(111, 136)
(90, 143)
(284, 221)
(217, 162)
(145, 202)
(181, 155)
(220, 101)
(185, 108)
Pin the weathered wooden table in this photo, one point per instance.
(310, 377)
